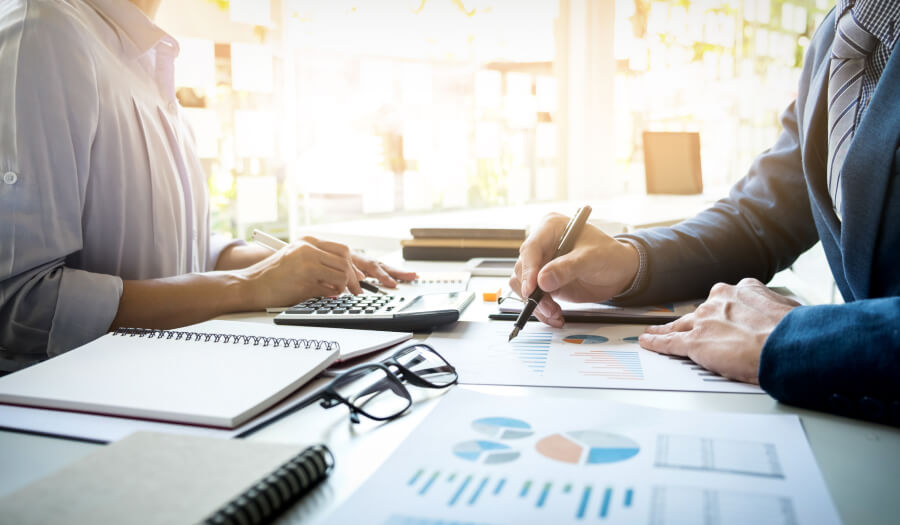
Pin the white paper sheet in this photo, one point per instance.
(578, 355)
(482, 459)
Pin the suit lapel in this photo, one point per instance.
(865, 177)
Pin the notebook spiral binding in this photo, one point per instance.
(254, 340)
(268, 497)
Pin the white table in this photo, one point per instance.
(860, 461)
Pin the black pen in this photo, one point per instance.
(366, 285)
(569, 236)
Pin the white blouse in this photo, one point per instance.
(99, 177)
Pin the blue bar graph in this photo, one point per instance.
(582, 507)
(459, 491)
(604, 507)
(477, 493)
(532, 349)
(412, 480)
(472, 490)
(499, 486)
(544, 493)
(427, 485)
(525, 488)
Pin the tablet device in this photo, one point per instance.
(491, 266)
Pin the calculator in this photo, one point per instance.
(405, 313)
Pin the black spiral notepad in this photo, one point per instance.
(264, 500)
(217, 373)
(153, 478)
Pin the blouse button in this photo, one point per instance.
(10, 177)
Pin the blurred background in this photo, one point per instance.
(311, 112)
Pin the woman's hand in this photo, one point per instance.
(386, 275)
(307, 268)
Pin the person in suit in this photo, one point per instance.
(104, 211)
(831, 176)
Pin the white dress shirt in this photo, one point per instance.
(99, 177)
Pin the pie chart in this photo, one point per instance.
(587, 447)
(486, 452)
(584, 339)
(502, 427)
(631, 339)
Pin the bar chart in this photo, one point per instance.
(471, 490)
(702, 373)
(531, 348)
(596, 360)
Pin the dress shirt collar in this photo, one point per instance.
(878, 17)
(137, 33)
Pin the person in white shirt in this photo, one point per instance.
(104, 213)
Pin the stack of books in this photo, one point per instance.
(461, 244)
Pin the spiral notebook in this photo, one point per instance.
(153, 478)
(217, 373)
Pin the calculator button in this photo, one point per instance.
(303, 311)
(323, 310)
(370, 311)
(338, 311)
(355, 310)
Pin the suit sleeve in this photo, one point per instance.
(759, 229)
(838, 358)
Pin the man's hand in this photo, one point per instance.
(727, 332)
(597, 268)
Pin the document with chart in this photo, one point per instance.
(578, 355)
(493, 460)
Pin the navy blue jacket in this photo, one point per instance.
(840, 358)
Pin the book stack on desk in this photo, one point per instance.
(462, 244)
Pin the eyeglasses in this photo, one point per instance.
(377, 390)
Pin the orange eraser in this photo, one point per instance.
(491, 297)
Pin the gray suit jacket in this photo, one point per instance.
(843, 358)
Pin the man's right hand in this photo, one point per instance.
(597, 268)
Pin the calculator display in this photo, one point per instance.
(431, 302)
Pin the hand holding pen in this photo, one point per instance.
(597, 267)
(566, 243)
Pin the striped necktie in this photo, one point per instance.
(852, 45)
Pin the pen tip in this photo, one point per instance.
(513, 334)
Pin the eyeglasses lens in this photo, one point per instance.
(373, 391)
(428, 365)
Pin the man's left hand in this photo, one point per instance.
(727, 332)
